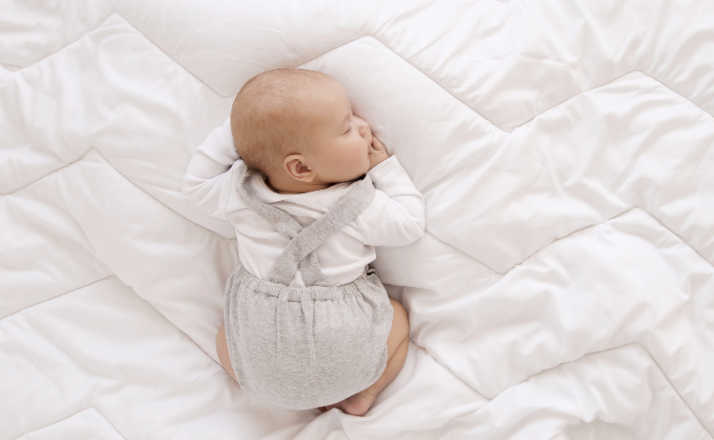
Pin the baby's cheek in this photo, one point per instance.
(361, 152)
(365, 161)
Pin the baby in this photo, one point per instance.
(310, 191)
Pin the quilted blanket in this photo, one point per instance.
(565, 148)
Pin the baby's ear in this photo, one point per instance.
(295, 166)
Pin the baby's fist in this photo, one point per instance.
(377, 152)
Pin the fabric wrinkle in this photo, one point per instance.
(307, 310)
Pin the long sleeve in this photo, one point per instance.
(396, 215)
(207, 181)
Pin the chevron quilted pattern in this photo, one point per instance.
(565, 148)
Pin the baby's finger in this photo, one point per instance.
(377, 144)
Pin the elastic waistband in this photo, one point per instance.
(299, 293)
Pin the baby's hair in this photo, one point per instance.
(265, 118)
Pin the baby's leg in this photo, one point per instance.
(222, 349)
(397, 347)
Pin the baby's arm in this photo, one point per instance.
(207, 181)
(396, 215)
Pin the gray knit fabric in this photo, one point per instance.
(304, 347)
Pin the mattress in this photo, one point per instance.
(565, 148)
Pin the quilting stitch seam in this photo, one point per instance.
(54, 297)
(605, 350)
(104, 418)
(88, 30)
(546, 110)
(675, 389)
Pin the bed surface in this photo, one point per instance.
(564, 288)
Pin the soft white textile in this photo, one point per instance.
(565, 285)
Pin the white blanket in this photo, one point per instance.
(565, 148)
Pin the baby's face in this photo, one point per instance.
(338, 141)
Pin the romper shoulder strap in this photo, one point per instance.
(304, 241)
(344, 211)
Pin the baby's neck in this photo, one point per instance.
(293, 187)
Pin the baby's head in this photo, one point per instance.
(297, 127)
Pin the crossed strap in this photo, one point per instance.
(304, 241)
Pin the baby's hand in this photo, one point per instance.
(377, 152)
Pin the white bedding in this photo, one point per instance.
(565, 148)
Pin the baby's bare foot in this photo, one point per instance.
(359, 404)
(327, 408)
(356, 405)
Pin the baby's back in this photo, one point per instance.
(343, 257)
(392, 214)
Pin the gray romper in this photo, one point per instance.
(304, 347)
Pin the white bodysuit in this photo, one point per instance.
(395, 217)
